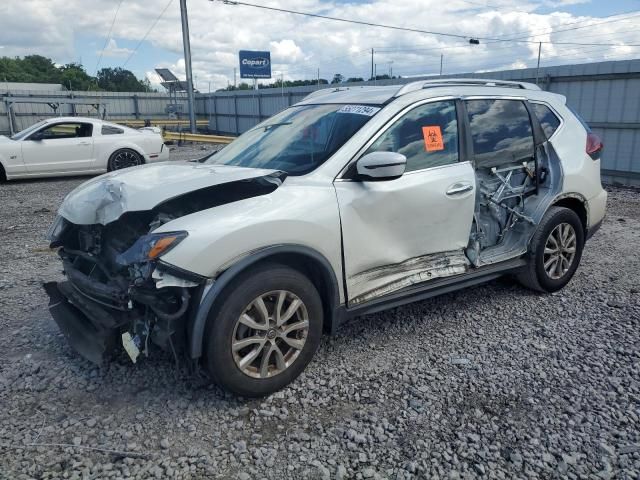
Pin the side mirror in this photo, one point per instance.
(36, 137)
(381, 166)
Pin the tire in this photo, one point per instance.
(235, 323)
(124, 158)
(542, 273)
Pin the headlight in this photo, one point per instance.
(57, 228)
(151, 247)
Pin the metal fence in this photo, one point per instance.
(21, 108)
(605, 94)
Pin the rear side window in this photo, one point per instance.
(501, 132)
(427, 136)
(549, 121)
(109, 130)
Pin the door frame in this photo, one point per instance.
(464, 154)
(348, 171)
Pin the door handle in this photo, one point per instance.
(458, 188)
(84, 144)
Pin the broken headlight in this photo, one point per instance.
(150, 247)
(56, 230)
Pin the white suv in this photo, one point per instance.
(352, 201)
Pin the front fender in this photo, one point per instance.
(212, 291)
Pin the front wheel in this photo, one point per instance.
(555, 251)
(265, 332)
(124, 158)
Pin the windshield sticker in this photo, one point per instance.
(432, 138)
(360, 110)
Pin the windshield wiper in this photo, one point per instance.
(266, 127)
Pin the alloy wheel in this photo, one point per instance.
(560, 251)
(270, 334)
(125, 159)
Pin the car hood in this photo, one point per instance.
(104, 199)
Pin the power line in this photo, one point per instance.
(406, 29)
(593, 24)
(147, 34)
(106, 41)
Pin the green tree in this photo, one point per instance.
(119, 80)
(74, 77)
(337, 78)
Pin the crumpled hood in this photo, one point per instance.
(105, 198)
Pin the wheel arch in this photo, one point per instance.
(577, 203)
(304, 259)
(3, 173)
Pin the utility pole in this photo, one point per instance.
(234, 78)
(187, 63)
(538, 67)
(441, 60)
(318, 77)
(372, 63)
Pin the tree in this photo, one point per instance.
(74, 77)
(119, 80)
(39, 69)
(337, 78)
(354, 79)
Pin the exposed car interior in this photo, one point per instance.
(516, 179)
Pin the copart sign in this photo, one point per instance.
(255, 64)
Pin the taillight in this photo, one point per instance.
(594, 145)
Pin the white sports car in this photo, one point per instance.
(77, 146)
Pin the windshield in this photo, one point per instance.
(28, 130)
(297, 140)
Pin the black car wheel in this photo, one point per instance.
(555, 251)
(265, 331)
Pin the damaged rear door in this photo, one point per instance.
(401, 232)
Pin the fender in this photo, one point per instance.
(333, 314)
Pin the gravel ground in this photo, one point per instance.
(490, 382)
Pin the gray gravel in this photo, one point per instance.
(491, 382)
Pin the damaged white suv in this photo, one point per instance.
(352, 201)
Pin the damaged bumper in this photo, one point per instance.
(96, 316)
(88, 327)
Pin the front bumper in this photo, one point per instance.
(90, 329)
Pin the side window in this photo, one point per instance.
(547, 118)
(501, 132)
(427, 136)
(67, 130)
(110, 130)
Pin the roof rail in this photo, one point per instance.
(446, 82)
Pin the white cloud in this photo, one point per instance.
(112, 50)
(301, 45)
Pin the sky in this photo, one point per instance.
(81, 31)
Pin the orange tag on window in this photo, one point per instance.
(432, 138)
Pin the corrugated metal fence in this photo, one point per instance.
(22, 108)
(605, 94)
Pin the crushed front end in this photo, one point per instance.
(118, 292)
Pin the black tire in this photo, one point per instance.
(534, 275)
(135, 157)
(221, 328)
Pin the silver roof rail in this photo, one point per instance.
(448, 82)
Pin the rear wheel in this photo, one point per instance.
(124, 158)
(265, 332)
(555, 251)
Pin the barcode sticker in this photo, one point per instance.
(360, 110)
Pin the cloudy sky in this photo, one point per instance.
(78, 31)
